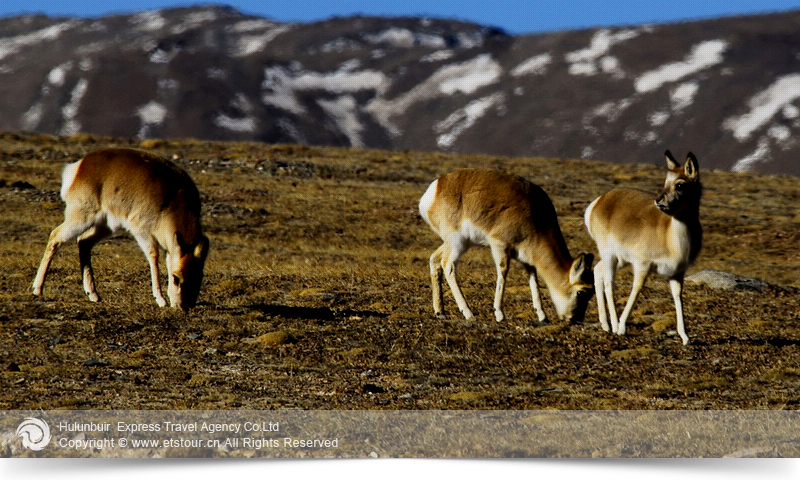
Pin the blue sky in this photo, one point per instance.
(513, 16)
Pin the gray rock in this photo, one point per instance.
(720, 280)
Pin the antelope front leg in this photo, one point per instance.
(599, 288)
(501, 261)
(676, 287)
(150, 249)
(449, 260)
(639, 276)
(537, 298)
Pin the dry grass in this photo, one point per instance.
(317, 297)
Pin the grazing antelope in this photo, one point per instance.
(515, 219)
(150, 197)
(663, 235)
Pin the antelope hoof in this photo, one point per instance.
(499, 316)
(93, 296)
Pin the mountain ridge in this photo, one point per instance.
(727, 89)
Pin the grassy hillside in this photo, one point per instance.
(317, 294)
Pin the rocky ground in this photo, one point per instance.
(317, 295)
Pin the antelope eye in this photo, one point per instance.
(176, 280)
(679, 186)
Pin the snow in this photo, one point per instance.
(451, 127)
(251, 25)
(790, 112)
(765, 105)
(249, 44)
(760, 154)
(536, 65)
(246, 123)
(702, 56)
(11, 45)
(472, 75)
(343, 112)
(149, 21)
(152, 113)
(70, 110)
(58, 75)
(658, 119)
(404, 38)
(781, 133)
(32, 117)
(280, 84)
(683, 95)
(438, 56)
(595, 58)
(611, 110)
(464, 77)
(195, 20)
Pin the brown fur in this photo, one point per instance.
(661, 233)
(515, 219)
(140, 192)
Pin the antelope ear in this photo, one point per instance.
(201, 249)
(690, 168)
(579, 266)
(671, 163)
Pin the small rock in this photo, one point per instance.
(720, 280)
(93, 362)
(20, 185)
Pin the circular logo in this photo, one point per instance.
(34, 432)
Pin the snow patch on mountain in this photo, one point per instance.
(343, 110)
(249, 44)
(404, 38)
(12, 45)
(595, 58)
(703, 55)
(464, 77)
(150, 114)
(244, 122)
(778, 97)
(454, 125)
(683, 95)
(70, 125)
(536, 65)
(149, 21)
(195, 20)
(281, 83)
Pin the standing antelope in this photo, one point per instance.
(662, 235)
(515, 219)
(151, 198)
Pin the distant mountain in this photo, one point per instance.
(727, 89)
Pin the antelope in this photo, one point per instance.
(516, 220)
(664, 235)
(157, 202)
